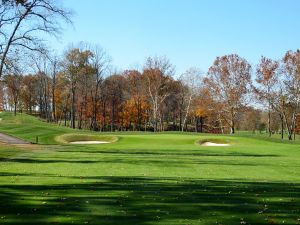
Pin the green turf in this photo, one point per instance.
(146, 178)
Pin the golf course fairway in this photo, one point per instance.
(145, 178)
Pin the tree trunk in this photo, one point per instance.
(155, 121)
(187, 112)
(221, 124)
(139, 116)
(232, 127)
(201, 124)
(112, 117)
(289, 128)
(65, 117)
(180, 120)
(94, 117)
(294, 126)
(104, 116)
(79, 122)
(15, 108)
(269, 122)
(73, 109)
(53, 99)
(282, 125)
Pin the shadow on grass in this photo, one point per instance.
(171, 153)
(149, 200)
(164, 160)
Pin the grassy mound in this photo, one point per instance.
(68, 138)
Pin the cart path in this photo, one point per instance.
(4, 138)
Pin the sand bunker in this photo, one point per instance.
(88, 142)
(208, 143)
(86, 139)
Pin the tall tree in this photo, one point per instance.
(75, 63)
(229, 80)
(40, 64)
(136, 95)
(115, 91)
(291, 73)
(101, 64)
(158, 72)
(267, 89)
(192, 80)
(54, 62)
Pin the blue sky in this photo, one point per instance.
(191, 33)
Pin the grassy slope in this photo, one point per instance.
(146, 179)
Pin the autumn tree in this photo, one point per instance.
(115, 94)
(75, 66)
(136, 104)
(206, 117)
(250, 119)
(291, 73)
(62, 98)
(267, 88)
(14, 84)
(29, 92)
(172, 108)
(229, 80)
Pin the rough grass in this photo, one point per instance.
(146, 178)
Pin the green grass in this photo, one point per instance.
(145, 178)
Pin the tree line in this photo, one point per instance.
(80, 88)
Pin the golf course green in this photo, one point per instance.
(145, 178)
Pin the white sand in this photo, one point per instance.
(88, 142)
(214, 144)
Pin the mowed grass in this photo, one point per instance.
(145, 178)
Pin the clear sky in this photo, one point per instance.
(191, 33)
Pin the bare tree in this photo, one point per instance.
(101, 65)
(192, 80)
(55, 63)
(23, 22)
